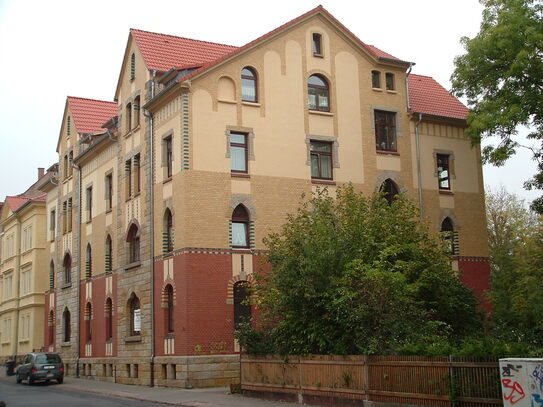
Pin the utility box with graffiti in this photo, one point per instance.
(522, 382)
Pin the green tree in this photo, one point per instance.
(501, 74)
(516, 250)
(355, 275)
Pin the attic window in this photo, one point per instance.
(69, 126)
(317, 45)
(376, 79)
(389, 79)
(132, 67)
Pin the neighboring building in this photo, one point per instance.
(23, 275)
(165, 195)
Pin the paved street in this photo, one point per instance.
(89, 393)
(45, 395)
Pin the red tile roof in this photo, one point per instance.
(163, 52)
(89, 115)
(429, 97)
(15, 202)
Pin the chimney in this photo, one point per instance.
(41, 172)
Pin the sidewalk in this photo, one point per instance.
(213, 397)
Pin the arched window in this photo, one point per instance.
(167, 235)
(88, 321)
(51, 325)
(168, 297)
(109, 319)
(132, 66)
(67, 267)
(134, 311)
(51, 275)
(136, 118)
(389, 189)
(242, 308)
(133, 239)
(449, 236)
(66, 325)
(240, 227)
(318, 93)
(109, 254)
(248, 85)
(128, 121)
(88, 262)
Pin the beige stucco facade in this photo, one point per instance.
(24, 278)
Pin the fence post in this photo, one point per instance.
(452, 394)
(365, 368)
(300, 394)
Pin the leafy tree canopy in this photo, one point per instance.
(355, 275)
(501, 75)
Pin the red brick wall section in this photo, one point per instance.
(475, 274)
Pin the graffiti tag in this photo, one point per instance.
(538, 376)
(516, 391)
(536, 400)
(506, 370)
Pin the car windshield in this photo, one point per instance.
(48, 358)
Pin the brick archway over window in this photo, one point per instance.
(230, 287)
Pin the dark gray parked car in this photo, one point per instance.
(41, 366)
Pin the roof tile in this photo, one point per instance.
(427, 96)
(163, 52)
(89, 115)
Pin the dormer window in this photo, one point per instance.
(317, 45)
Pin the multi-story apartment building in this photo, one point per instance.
(164, 196)
(23, 272)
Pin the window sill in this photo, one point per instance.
(89, 221)
(446, 192)
(391, 91)
(232, 102)
(136, 195)
(24, 340)
(109, 210)
(387, 152)
(253, 104)
(65, 344)
(66, 285)
(132, 339)
(323, 181)
(321, 113)
(318, 55)
(133, 265)
(169, 335)
(240, 249)
(167, 180)
(239, 175)
(167, 255)
(377, 89)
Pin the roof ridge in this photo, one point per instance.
(423, 76)
(89, 99)
(183, 38)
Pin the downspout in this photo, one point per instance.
(407, 86)
(79, 178)
(152, 230)
(419, 172)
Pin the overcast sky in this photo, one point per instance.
(52, 49)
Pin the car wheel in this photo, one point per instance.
(18, 378)
(60, 380)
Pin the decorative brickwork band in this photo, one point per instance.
(185, 132)
(208, 250)
(472, 259)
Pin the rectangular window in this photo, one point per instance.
(8, 286)
(443, 174)
(7, 330)
(52, 224)
(128, 179)
(321, 160)
(65, 161)
(385, 131)
(168, 156)
(109, 192)
(70, 163)
(26, 239)
(317, 44)
(389, 79)
(137, 174)
(89, 204)
(376, 79)
(25, 282)
(64, 217)
(69, 220)
(239, 234)
(238, 152)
